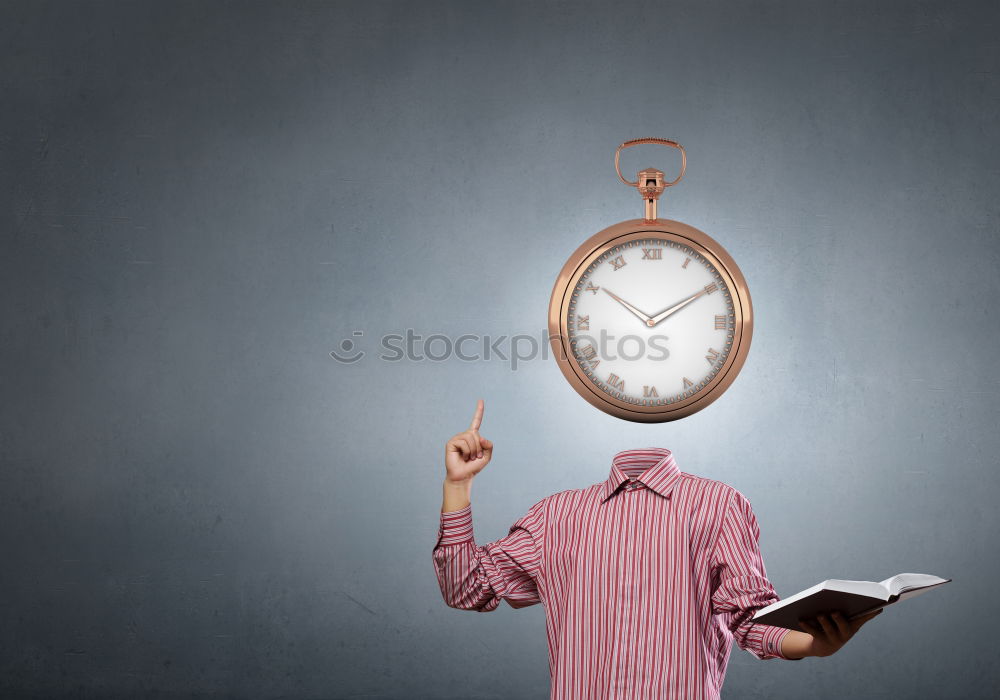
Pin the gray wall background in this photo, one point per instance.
(201, 200)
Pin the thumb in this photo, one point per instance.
(487, 444)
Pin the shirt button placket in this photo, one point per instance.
(631, 591)
(637, 569)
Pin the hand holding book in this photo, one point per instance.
(831, 612)
(825, 634)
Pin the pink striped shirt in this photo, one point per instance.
(646, 577)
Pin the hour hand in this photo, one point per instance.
(642, 317)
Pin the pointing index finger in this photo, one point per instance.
(477, 419)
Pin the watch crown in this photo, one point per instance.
(650, 185)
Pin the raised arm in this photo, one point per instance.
(478, 577)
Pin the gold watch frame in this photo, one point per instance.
(623, 232)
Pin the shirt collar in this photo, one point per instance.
(655, 467)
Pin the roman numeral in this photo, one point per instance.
(712, 356)
(649, 392)
(615, 381)
(688, 383)
(720, 322)
(588, 354)
(652, 253)
(686, 261)
(618, 262)
(592, 288)
(709, 288)
(583, 323)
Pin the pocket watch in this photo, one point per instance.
(650, 319)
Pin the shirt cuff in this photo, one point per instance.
(771, 641)
(456, 526)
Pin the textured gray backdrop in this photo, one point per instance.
(200, 201)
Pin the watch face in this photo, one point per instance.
(650, 321)
(654, 324)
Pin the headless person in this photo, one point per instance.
(647, 577)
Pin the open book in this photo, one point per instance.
(853, 598)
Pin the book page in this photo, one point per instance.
(900, 582)
(865, 588)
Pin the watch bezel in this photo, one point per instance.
(597, 245)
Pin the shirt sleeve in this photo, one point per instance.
(740, 583)
(478, 577)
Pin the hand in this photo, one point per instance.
(467, 453)
(642, 317)
(675, 308)
(830, 632)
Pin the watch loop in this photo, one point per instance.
(661, 142)
(651, 182)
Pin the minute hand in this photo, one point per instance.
(675, 308)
